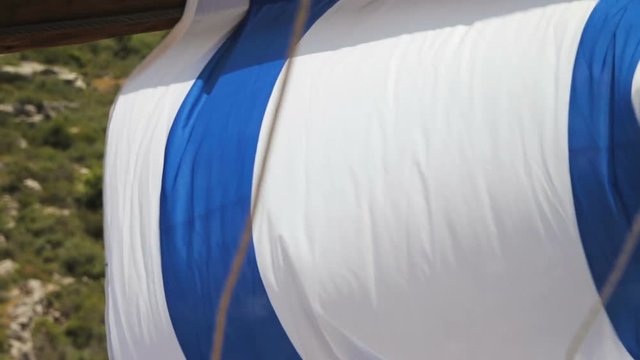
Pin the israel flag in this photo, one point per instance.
(450, 179)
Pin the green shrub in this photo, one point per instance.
(82, 304)
(57, 136)
(49, 341)
(59, 229)
(8, 141)
(92, 195)
(82, 257)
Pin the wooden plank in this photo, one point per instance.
(27, 24)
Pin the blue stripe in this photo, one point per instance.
(604, 148)
(206, 189)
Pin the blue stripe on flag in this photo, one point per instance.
(206, 189)
(604, 148)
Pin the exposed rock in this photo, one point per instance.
(7, 108)
(82, 170)
(32, 184)
(36, 112)
(36, 118)
(21, 351)
(3, 240)
(70, 77)
(52, 108)
(30, 110)
(31, 297)
(22, 143)
(28, 69)
(63, 280)
(25, 68)
(51, 210)
(10, 207)
(29, 113)
(7, 267)
(30, 302)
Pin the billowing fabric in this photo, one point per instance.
(449, 180)
(604, 147)
(202, 214)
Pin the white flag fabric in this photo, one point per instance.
(448, 180)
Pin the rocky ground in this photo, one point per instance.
(26, 300)
(54, 105)
(27, 303)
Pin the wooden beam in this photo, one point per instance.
(27, 24)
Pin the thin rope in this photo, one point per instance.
(613, 280)
(620, 267)
(232, 279)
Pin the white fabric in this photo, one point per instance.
(418, 200)
(138, 323)
(635, 92)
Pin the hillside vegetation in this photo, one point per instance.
(54, 105)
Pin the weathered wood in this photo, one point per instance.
(26, 24)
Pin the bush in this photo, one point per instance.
(48, 341)
(82, 304)
(57, 136)
(91, 198)
(8, 141)
(59, 229)
(82, 257)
